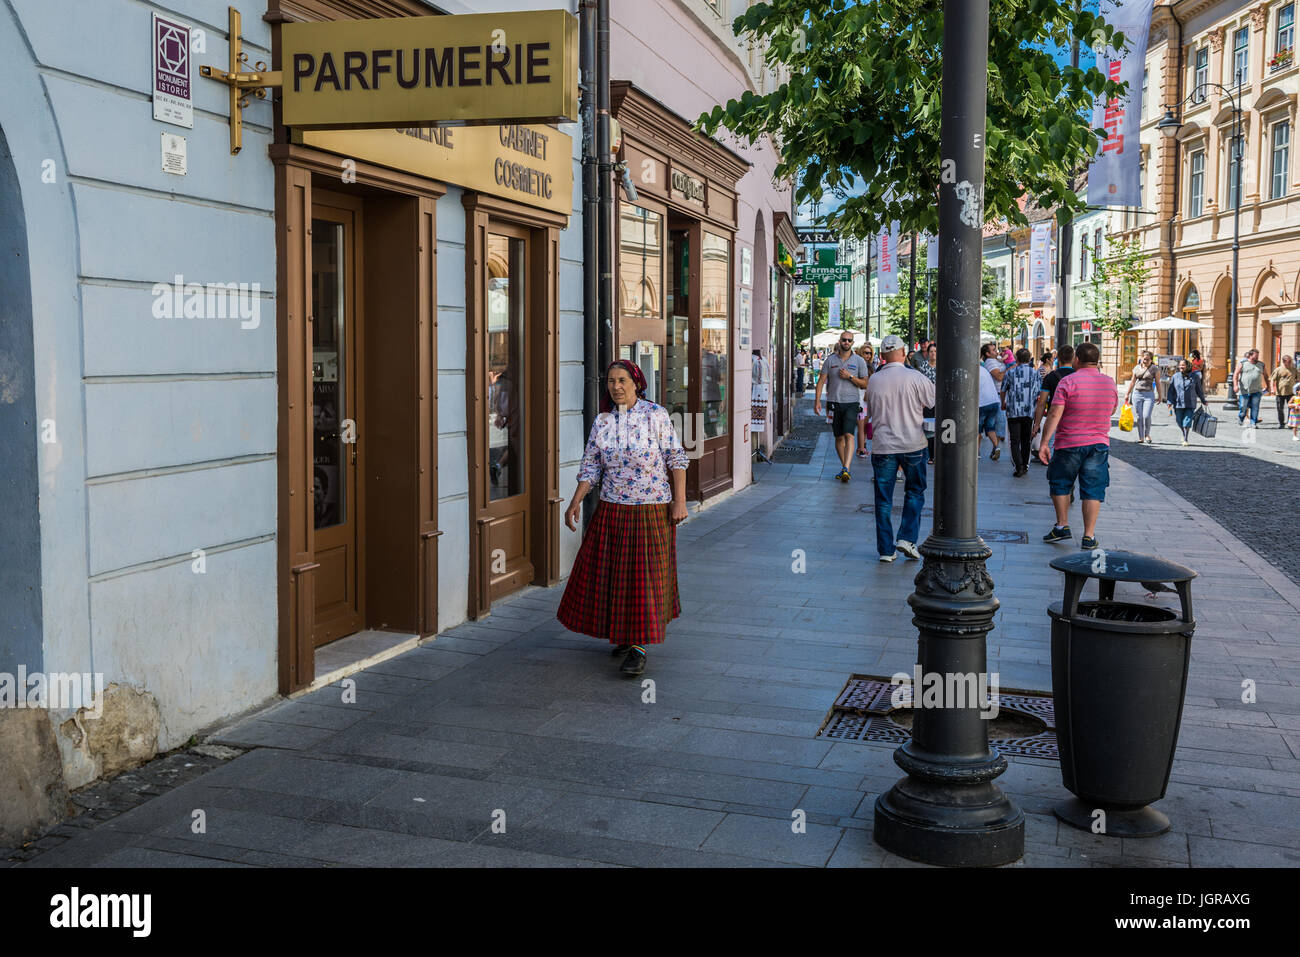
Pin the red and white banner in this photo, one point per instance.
(1115, 177)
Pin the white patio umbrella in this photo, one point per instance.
(1286, 317)
(1167, 323)
(824, 340)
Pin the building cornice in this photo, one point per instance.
(650, 122)
(295, 11)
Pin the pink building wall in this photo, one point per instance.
(670, 53)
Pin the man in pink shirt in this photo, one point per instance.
(1080, 421)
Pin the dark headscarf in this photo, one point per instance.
(638, 380)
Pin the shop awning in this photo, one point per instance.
(1286, 317)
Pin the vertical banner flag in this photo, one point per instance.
(931, 252)
(1115, 179)
(887, 266)
(1039, 239)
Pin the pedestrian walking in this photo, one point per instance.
(1184, 391)
(864, 420)
(930, 369)
(1293, 416)
(1053, 379)
(1250, 382)
(815, 365)
(800, 370)
(990, 404)
(1079, 424)
(897, 399)
(844, 373)
(1019, 394)
(1284, 381)
(997, 367)
(623, 587)
(1198, 364)
(1045, 364)
(1144, 388)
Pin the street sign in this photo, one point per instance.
(810, 274)
(809, 236)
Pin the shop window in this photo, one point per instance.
(641, 263)
(715, 332)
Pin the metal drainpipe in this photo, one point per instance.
(605, 255)
(590, 208)
(1173, 215)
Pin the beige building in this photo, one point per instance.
(1186, 218)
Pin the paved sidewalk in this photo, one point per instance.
(513, 719)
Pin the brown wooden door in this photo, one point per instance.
(507, 416)
(337, 417)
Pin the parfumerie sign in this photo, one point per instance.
(529, 164)
(424, 71)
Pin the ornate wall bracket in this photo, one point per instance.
(242, 85)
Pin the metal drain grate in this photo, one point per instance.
(864, 711)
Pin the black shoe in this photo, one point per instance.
(1058, 534)
(996, 453)
(633, 664)
(1088, 543)
(1019, 472)
(619, 650)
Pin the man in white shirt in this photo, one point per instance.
(990, 403)
(897, 397)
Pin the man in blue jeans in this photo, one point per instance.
(897, 397)
(1250, 382)
(1080, 423)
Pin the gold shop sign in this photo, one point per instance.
(478, 68)
(529, 164)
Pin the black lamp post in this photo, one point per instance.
(1169, 126)
(948, 810)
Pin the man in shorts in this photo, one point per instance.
(1080, 423)
(844, 373)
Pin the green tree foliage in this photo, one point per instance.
(1118, 278)
(862, 105)
(1001, 317)
(799, 310)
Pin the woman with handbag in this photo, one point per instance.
(1146, 382)
(623, 587)
(1184, 390)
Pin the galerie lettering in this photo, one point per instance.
(453, 66)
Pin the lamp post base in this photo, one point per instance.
(951, 825)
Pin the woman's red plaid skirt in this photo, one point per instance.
(623, 587)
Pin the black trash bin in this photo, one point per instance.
(1119, 675)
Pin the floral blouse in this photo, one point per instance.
(630, 453)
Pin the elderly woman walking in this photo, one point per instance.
(1184, 391)
(623, 587)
